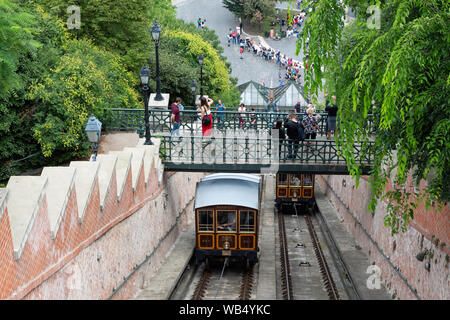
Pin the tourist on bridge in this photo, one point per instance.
(281, 135)
(253, 119)
(310, 122)
(240, 115)
(332, 112)
(175, 117)
(293, 132)
(205, 107)
(220, 107)
(271, 108)
(298, 107)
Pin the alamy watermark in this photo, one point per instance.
(374, 280)
(74, 20)
(374, 21)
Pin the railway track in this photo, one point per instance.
(327, 277)
(286, 281)
(229, 281)
(319, 272)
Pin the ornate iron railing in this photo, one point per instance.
(256, 151)
(160, 120)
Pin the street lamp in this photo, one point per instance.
(279, 19)
(156, 33)
(93, 131)
(201, 58)
(145, 76)
(193, 89)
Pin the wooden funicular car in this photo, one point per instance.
(295, 188)
(227, 216)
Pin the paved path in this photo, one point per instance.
(220, 19)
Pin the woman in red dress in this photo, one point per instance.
(205, 107)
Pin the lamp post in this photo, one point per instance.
(279, 18)
(201, 58)
(156, 33)
(93, 131)
(145, 76)
(193, 89)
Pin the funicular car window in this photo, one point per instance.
(282, 179)
(246, 221)
(205, 220)
(295, 180)
(307, 180)
(226, 221)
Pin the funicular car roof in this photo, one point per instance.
(228, 189)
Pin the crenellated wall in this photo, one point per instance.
(405, 276)
(79, 232)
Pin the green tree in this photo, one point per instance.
(235, 6)
(216, 80)
(122, 27)
(400, 73)
(31, 63)
(16, 36)
(86, 80)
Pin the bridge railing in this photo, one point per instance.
(256, 150)
(160, 120)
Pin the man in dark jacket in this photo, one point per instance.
(292, 131)
(332, 112)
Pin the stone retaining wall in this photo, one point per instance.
(404, 275)
(93, 230)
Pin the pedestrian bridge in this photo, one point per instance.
(239, 143)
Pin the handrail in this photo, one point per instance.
(160, 120)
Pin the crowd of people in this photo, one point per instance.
(309, 124)
(292, 68)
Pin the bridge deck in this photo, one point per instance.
(255, 155)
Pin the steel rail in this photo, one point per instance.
(286, 283)
(337, 255)
(324, 269)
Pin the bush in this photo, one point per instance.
(85, 81)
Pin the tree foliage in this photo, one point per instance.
(400, 73)
(252, 10)
(217, 83)
(52, 78)
(84, 81)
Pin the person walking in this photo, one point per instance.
(220, 107)
(331, 109)
(175, 117)
(229, 36)
(199, 23)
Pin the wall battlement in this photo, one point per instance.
(46, 221)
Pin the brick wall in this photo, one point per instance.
(89, 258)
(405, 276)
